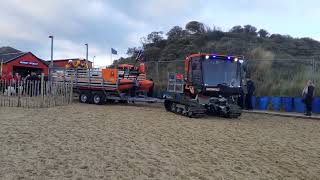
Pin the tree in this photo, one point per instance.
(263, 33)
(155, 37)
(237, 29)
(251, 30)
(152, 54)
(278, 38)
(131, 51)
(176, 32)
(195, 27)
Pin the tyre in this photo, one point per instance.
(98, 98)
(123, 101)
(111, 101)
(85, 97)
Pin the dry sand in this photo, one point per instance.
(137, 142)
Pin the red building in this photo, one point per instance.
(63, 62)
(23, 63)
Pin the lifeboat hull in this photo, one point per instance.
(145, 85)
(125, 84)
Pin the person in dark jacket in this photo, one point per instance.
(31, 84)
(241, 98)
(150, 92)
(33, 77)
(307, 94)
(250, 90)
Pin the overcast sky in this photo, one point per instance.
(26, 24)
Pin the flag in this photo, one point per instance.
(140, 56)
(113, 51)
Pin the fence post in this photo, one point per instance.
(71, 89)
(42, 90)
(158, 79)
(313, 69)
(19, 86)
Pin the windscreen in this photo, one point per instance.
(221, 72)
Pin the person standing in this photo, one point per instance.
(307, 94)
(150, 92)
(249, 93)
(241, 98)
(31, 84)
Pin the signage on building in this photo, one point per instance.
(29, 63)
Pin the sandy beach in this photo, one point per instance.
(84, 141)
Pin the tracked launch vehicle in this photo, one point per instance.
(211, 85)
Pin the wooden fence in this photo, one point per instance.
(35, 93)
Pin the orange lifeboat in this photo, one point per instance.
(125, 84)
(125, 66)
(145, 85)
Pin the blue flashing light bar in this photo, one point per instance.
(227, 58)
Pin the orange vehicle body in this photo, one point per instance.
(126, 83)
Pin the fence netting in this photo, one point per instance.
(271, 77)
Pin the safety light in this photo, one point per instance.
(235, 59)
(207, 57)
(229, 57)
(214, 56)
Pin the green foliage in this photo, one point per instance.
(261, 49)
(176, 33)
(263, 33)
(155, 37)
(251, 30)
(195, 27)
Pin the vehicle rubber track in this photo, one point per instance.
(189, 110)
(234, 111)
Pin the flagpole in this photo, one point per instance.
(111, 57)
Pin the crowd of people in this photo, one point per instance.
(10, 83)
(17, 78)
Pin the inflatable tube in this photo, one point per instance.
(145, 85)
(125, 84)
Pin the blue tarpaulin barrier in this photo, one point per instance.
(287, 104)
(276, 103)
(299, 106)
(316, 105)
(263, 103)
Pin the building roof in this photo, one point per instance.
(10, 56)
(7, 57)
(8, 49)
(73, 59)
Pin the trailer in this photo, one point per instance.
(100, 86)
